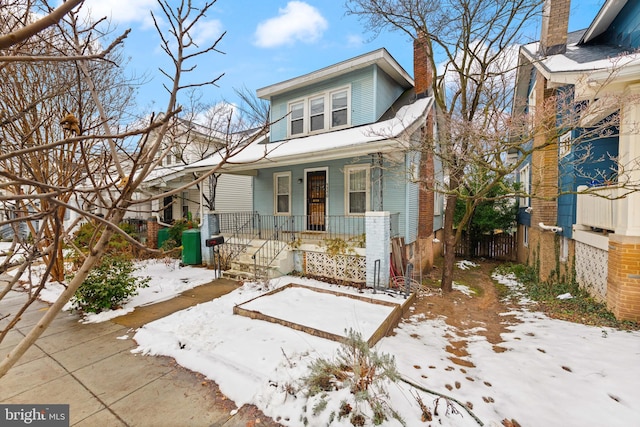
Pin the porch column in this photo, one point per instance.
(628, 220)
(209, 228)
(378, 246)
(623, 280)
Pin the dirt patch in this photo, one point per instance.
(475, 314)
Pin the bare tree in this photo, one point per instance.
(87, 156)
(472, 49)
(471, 88)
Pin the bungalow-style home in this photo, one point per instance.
(339, 174)
(581, 217)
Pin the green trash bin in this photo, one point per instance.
(191, 253)
(163, 236)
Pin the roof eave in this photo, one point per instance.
(380, 57)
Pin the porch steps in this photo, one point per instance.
(242, 267)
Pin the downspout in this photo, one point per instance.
(553, 228)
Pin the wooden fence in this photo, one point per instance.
(502, 247)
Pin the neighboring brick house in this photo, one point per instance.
(598, 238)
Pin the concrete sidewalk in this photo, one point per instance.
(91, 368)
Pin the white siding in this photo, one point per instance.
(234, 193)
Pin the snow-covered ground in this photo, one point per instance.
(550, 372)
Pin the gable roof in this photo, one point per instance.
(585, 61)
(381, 57)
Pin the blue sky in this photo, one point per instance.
(267, 41)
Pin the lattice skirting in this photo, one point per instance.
(592, 267)
(350, 268)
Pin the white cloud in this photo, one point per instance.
(206, 32)
(298, 21)
(122, 12)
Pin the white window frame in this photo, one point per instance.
(276, 194)
(347, 107)
(323, 113)
(347, 190)
(525, 184)
(525, 236)
(327, 112)
(437, 202)
(531, 106)
(304, 118)
(564, 144)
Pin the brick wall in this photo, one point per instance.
(623, 280)
(555, 23)
(544, 186)
(422, 73)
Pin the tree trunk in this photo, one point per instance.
(449, 244)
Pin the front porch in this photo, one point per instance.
(607, 247)
(334, 247)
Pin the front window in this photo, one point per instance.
(357, 189)
(282, 193)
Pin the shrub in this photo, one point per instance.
(363, 372)
(108, 285)
(117, 243)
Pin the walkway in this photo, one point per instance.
(91, 368)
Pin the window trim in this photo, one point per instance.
(347, 171)
(564, 144)
(327, 112)
(277, 175)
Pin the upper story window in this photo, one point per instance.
(525, 186)
(319, 112)
(339, 108)
(564, 147)
(316, 110)
(297, 118)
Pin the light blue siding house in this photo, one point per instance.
(343, 146)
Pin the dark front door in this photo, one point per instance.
(167, 213)
(316, 200)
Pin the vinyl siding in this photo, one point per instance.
(372, 93)
(394, 191)
(234, 193)
(624, 31)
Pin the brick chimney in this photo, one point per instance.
(422, 73)
(555, 25)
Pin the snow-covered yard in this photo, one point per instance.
(547, 373)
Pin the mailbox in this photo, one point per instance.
(215, 241)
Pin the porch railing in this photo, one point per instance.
(289, 228)
(596, 207)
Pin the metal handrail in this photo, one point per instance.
(273, 247)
